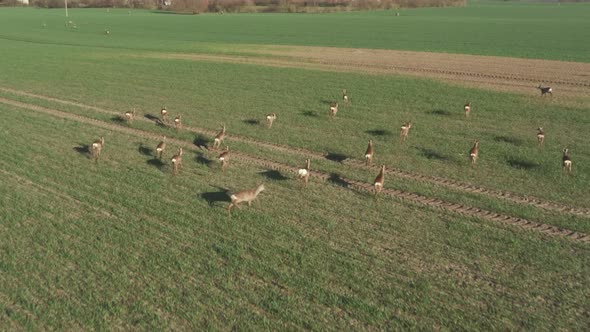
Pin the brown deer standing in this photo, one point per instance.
(160, 148)
(403, 134)
(474, 152)
(369, 153)
(177, 122)
(333, 109)
(567, 162)
(164, 114)
(176, 161)
(219, 138)
(244, 196)
(96, 148)
(345, 97)
(303, 173)
(545, 90)
(540, 136)
(379, 180)
(224, 158)
(467, 109)
(129, 116)
(270, 118)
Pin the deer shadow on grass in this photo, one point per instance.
(310, 114)
(118, 119)
(274, 175)
(201, 159)
(522, 164)
(201, 141)
(212, 197)
(508, 139)
(379, 132)
(440, 112)
(336, 179)
(253, 122)
(157, 163)
(144, 150)
(83, 149)
(156, 120)
(337, 157)
(327, 102)
(431, 154)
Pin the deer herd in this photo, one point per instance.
(303, 174)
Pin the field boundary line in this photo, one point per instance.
(339, 181)
(444, 182)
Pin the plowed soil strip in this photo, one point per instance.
(452, 184)
(343, 182)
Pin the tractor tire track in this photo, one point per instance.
(340, 181)
(449, 183)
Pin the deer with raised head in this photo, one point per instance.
(177, 122)
(345, 97)
(303, 173)
(244, 196)
(224, 158)
(270, 118)
(545, 90)
(405, 129)
(474, 152)
(129, 115)
(333, 109)
(164, 114)
(369, 153)
(540, 136)
(96, 148)
(219, 138)
(379, 180)
(467, 108)
(176, 161)
(161, 147)
(567, 161)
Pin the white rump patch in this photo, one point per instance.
(233, 197)
(302, 172)
(217, 140)
(473, 154)
(221, 158)
(568, 162)
(367, 156)
(378, 184)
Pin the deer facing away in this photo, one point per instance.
(333, 109)
(164, 114)
(540, 136)
(176, 161)
(219, 138)
(224, 158)
(161, 147)
(474, 152)
(405, 129)
(270, 118)
(369, 153)
(567, 161)
(303, 173)
(379, 180)
(96, 148)
(129, 115)
(244, 196)
(467, 108)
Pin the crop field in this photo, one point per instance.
(121, 243)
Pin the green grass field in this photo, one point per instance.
(122, 244)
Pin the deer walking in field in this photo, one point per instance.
(405, 129)
(474, 152)
(540, 136)
(129, 116)
(219, 138)
(270, 118)
(96, 148)
(224, 158)
(345, 97)
(176, 161)
(244, 196)
(379, 180)
(164, 114)
(177, 122)
(467, 108)
(545, 90)
(160, 148)
(333, 109)
(369, 153)
(303, 173)
(567, 161)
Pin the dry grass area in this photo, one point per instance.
(571, 79)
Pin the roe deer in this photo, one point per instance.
(303, 173)
(467, 108)
(160, 148)
(369, 153)
(224, 158)
(270, 118)
(545, 90)
(129, 116)
(177, 122)
(176, 161)
(244, 196)
(540, 136)
(96, 148)
(164, 114)
(345, 97)
(379, 180)
(333, 109)
(403, 134)
(474, 152)
(219, 138)
(567, 162)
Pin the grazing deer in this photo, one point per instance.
(107, 32)
(96, 148)
(333, 109)
(474, 152)
(176, 161)
(467, 108)
(244, 196)
(369, 153)
(303, 173)
(545, 90)
(164, 114)
(177, 122)
(567, 162)
(224, 158)
(345, 97)
(379, 180)
(219, 138)
(403, 134)
(160, 148)
(129, 116)
(270, 118)
(540, 136)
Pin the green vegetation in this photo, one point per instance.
(548, 31)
